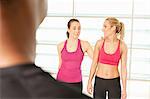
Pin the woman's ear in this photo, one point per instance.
(114, 28)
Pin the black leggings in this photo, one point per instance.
(76, 85)
(112, 86)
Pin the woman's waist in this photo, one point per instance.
(69, 76)
(66, 70)
(107, 71)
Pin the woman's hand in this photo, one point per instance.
(89, 88)
(123, 94)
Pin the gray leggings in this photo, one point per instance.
(112, 86)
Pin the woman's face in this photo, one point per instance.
(74, 30)
(107, 29)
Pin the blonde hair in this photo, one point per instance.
(119, 26)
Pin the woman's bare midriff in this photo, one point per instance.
(107, 71)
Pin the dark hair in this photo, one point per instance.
(69, 24)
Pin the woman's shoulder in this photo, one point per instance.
(123, 45)
(100, 41)
(85, 45)
(60, 45)
(83, 42)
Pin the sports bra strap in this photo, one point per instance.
(65, 44)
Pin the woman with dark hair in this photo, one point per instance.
(71, 53)
(107, 54)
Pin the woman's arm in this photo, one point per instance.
(59, 49)
(87, 48)
(93, 66)
(124, 69)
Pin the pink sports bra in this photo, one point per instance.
(111, 59)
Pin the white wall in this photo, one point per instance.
(91, 13)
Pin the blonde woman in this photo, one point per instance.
(107, 54)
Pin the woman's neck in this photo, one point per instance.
(71, 39)
(112, 38)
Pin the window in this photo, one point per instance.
(135, 14)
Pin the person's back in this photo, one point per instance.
(19, 77)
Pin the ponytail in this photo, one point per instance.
(119, 27)
(121, 30)
(67, 33)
